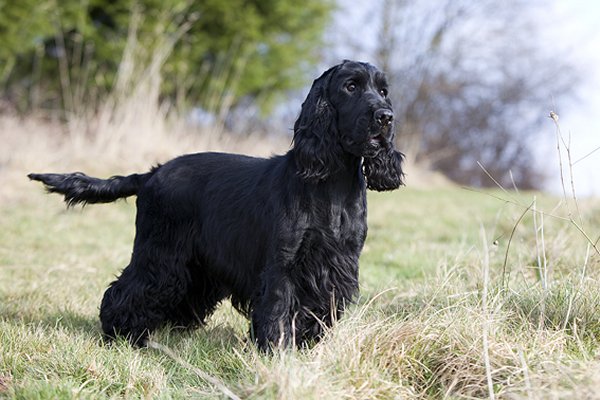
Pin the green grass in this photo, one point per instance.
(421, 328)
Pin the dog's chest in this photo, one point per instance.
(327, 255)
(345, 222)
(338, 223)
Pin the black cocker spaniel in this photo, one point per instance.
(280, 237)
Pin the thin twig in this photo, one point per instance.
(545, 260)
(512, 180)
(512, 233)
(525, 373)
(541, 265)
(569, 309)
(492, 178)
(586, 156)
(567, 145)
(585, 263)
(201, 374)
(486, 316)
(554, 118)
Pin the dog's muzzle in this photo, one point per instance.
(381, 125)
(383, 117)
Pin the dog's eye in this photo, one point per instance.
(383, 92)
(351, 86)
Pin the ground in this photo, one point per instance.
(464, 293)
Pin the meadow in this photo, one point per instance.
(464, 294)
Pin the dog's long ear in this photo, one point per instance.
(316, 148)
(384, 171)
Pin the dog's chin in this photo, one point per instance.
(375, 142)
(374, 145)
(368, 149)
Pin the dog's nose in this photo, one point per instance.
(384, 117)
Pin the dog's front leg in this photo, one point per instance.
(273, 312)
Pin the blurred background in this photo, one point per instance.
(117, 85)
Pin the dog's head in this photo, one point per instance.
(348, 112)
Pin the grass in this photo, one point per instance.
(416, 332)
(463, 294)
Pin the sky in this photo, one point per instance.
(571, 28)
(575, 27)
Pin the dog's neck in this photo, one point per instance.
(339, 195)
(347, 179)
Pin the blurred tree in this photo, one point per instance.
(211, 53)
(471, 84)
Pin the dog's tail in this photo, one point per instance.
(79, 188)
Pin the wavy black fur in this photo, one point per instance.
(281, 237)
(78, 188)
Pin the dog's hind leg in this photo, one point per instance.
(145, 295)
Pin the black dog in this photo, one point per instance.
(281, 236)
